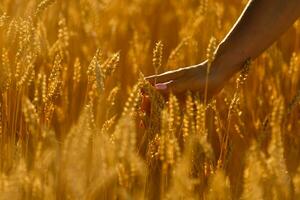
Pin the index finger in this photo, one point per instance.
(164, 77)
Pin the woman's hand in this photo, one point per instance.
(193, 78)
(260, 24)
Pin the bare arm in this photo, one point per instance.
(261, 23)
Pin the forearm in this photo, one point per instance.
(260, 24)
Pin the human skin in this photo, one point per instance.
(261, 23)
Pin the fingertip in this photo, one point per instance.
(161, 86)
(164, 86)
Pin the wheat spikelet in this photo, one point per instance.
(104, 70)
(201, 130)
(92, 123)
(111, 99)
(210, 52)
(99, 77)
(5, 76)
(42, 6)
(30, 114)
(37, 87)
(77, 71)
(189, 126)
(27, 77)
(56, 69)
(174, 114)
(91, 70)
(210, 56)
(200, 117)
(293, 68)
(244, 74)
(217, 121)
(108, 124)
(276, 162)
(61, 44)
(18, 70)
(25, 33)
(54, 82)
(63, 34)
(131, 105)
(20, 32)
(157, 56)
(3, 19)
(203, 7)
(110, 65)
(43, 87)
(51, 88)
(11, 31)
(169, 149)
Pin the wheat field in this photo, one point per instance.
(78, 120)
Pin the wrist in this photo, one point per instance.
(226, 63)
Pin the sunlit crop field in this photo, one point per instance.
(78, 120)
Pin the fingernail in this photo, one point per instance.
(161, 86)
